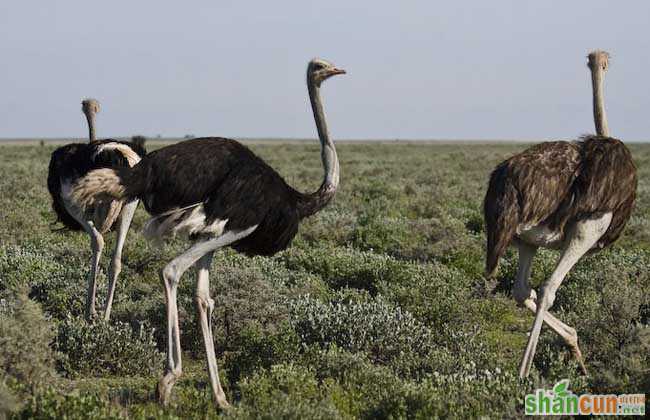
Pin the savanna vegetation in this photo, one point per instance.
(379, 310)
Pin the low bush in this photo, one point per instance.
(52, 405)
(339, 384)
(254, 349)
(59, 288)
(430, 291)
(106, 349)
(359, 326)
(25, 337)
(8, 401)
(284, 391)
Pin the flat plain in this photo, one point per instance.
(378, 310)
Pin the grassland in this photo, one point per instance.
(378, 310)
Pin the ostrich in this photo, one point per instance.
(70, 162)
(575, 197)
(220, 194)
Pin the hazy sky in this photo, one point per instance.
(416, 69)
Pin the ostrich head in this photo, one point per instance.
(598, 60)
(598, 63)
(320, 70)
(90, 106)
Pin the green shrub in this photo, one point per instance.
(51, 405)
(436, 295)
(8, 401)
(106, 349)
(25, 337)
(59, 287)
(361, 389)
(334, 226)
(465, 396)
(341, 267)
(285, 391)
(24, 266)
(145, 303)
(382, 330)
(397, 236)
(430, 291)
(254, 349)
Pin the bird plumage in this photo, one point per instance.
(556, 183)
(575, 197)
(230, 183)
(210, 180)
(222, 194)
(71, 162)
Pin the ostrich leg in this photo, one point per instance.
(581, 238)
(171, 276)
(97, 245)
(116, 261)
(526, 296)
(205, 305)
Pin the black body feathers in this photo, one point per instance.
(72, 161)
(230, 181)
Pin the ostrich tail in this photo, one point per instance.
(98, 185)
(501, 210)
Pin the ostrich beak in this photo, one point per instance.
(336, 71)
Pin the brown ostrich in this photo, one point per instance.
(575, 197)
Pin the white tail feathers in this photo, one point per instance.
(132, 157)
(97, 185)
(190, 220)
(105, 215)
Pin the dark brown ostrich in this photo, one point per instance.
(575, 197)
(220, 194)
(69, 163)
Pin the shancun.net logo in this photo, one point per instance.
(561, 401)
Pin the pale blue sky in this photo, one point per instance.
(499, 69)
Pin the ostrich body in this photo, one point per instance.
(220, 194)
(71, 162)
(575, 197)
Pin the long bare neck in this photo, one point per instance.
(90, 117)
(312, 203)
(600, 118)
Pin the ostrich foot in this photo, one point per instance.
(568, 334)
(165, 386)
(222, 402)
(91, 316)
(578, 355)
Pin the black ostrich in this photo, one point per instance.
(572, 196)
(69, 163)
(220, 194)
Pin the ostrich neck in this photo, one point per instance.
(600, 118)
(312, 203)
(90, 117)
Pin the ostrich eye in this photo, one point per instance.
(318, 67)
